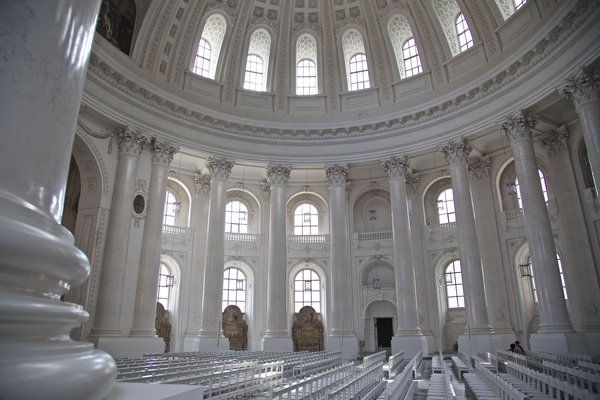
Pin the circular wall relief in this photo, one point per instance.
(139, 204)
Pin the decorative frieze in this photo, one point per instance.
(480, 167)
(336, 174)
(518, 126)
(278, 174)
(582, 88)
(162, 152)
(131, 141)
(219, 167)
(456, 151)
(202, 183)
(555, 142)
(395, 167)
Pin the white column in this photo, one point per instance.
(584, 91)
(147, 283)
(408, 337)
(553, 310)
(209, 334)
(456, 152)
(576, 255)
(341, 332)
(107, 319)
(46, 46)
(276, 336)
(199, 220)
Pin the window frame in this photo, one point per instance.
(304, 285)
(463, 33)
(408, 61)
(230, 214)
(231, 285)
(454, 283)
(313, 224)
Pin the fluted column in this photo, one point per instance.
(584, 91)
(456, 152)
(278, 176)
(406, 304)
(212, 288)
(147, 283)
(107, 321)
(553, 310)
(577, 257)
(46, 47)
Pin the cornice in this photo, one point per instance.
(502, 79)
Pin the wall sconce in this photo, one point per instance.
(239, 284)
(307, 287)
(376, 283)
(525, 269)
(372, 215)
(511, 188)
(242, 217)
(448, 279)
(307, 218)
(177, 207)
(439, 204)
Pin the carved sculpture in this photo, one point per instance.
(235, 328)
(162, 325)
(307, 330)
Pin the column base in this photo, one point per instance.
(411, 345)
(208, 343)
(132, 347)
(566, 342)
(278, 344)
(348, 345)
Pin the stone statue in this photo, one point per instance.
(162, 325)
(235, 328)
(307, 331)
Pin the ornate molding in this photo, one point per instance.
(555, 142)
(219, 167)
(265, 189)
(412, 185)
(583, 88)
(480, 168)
(395, 167)
(456, 151)
(518, 126)
(162, 152)
(336, 174)
(202, 183)
(278, 174)
(131, 141)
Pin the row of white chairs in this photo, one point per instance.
(366, 384)
(440, 386)
(485, 384)
(403, 385)
(394, 365)
(314, 386)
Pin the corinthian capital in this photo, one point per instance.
(163, 152)
(219, 167)
(202, 183)
(456, 151)
(131, 141)
(480, 167)
(395, 167)
(555, 142)
(582, 88)
(278, 174)
(337, 174)
(518, 126)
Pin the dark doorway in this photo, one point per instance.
(384, 332)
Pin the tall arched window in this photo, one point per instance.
(234, 289)
(454, 285)
(445, 206)
(165, 283)
(209, 47)
(172, 207)
(306, 65)
(509, 7)
(257, 62)
(357, 69)
(236, 217)
(405, 47)
(465, 38)
(562, 279)
(306, 220)
(542, 183)
(307, 290)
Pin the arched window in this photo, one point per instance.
(445, 206)
(166, 280)
(236, 217)
(257, 62)
(412, 61)
(306, 220)
(519, 3)
(234, 289)
(209, 47)
(509, 7)
(562, 279)
(307, 290)
(542, 183)
(306, 65)
(454, 285)
(465, 39)
(357, 69)
(172, 208)
(405, 47)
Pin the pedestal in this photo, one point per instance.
(132, 347)
(411, 345)
(569, 342)
(210, 343)
(280, 344)
(348, 345)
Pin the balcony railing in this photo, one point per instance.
(241, 237)
(374, 235)
(307, 239)
(450, 227)
(175, 230)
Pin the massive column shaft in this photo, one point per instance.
(107, 321)
(456, 153)
(212, 288)
(45, 46)
(147, 283)
(553, 310)
(278, 176)
(403, 260)
(584, 91)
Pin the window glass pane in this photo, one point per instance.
(307, 290)
(234, 288)
(171, 209)
(412, 61)
(306, 220)
(445, 204)
(359, 72)
(236, 217)
(165, 283)
(465, 39)
(254, 79)
(202, 60)
(454, 287)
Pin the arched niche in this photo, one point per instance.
(372, 211)
(252, 204)
(430, 196)
(311, 198)
(378, 271)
